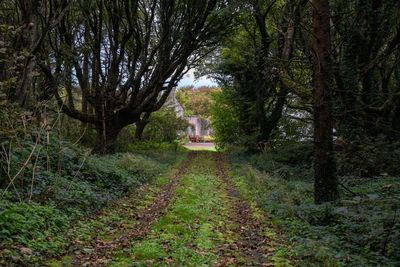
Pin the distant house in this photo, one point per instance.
(173, 102)
(200, 126)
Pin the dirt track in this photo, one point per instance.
(200, 208)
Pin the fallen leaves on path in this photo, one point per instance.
(242, 242)
(101, 250)
(251, 244)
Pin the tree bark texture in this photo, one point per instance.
(326, 183)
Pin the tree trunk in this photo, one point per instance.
(139, 130)
(86, 84)
(326, 183)
(273, 119)
(140, 125)
(105, 140)
(84, 110)
(30, 11)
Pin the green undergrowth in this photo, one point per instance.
(146, 146)
(112, 222)
(68, 184)
(202, 148)
(190, 233)
(362, 229)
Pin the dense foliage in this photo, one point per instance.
(122, 58)
(163, 130)
(244, 67)
(225, 121)
(47, 183)
(366, 93)
(165, 126)
(334, 78)
(309, 89)
(360, 230)
(197, 101)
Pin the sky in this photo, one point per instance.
(188, 79)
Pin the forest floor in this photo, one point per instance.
(191, 216)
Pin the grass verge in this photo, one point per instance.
(57, 215)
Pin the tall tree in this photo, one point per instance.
(326, 183)
(367, 96)
(25, 25)
(196, 101)
(137, 52)
(248, 63)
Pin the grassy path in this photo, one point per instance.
(194, 218)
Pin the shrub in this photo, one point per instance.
(225, 121)
(165, 126)
(289, 161)
(163, 129)
(144, 146)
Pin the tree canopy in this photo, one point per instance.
(197, 101)
(289, 71)
(109, 62)
(285, 65)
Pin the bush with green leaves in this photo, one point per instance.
(163, 130)
(55, 182)
(288, 161)
(165, 126)
(225, 121)
(72, 178)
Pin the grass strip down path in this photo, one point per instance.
(125, 220)
(197, 218)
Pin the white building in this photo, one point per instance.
(200, 126)
(173, 102)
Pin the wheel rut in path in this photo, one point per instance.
(143, 219)
(251, 244)
(198, 218)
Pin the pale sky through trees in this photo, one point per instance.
(189, 79)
